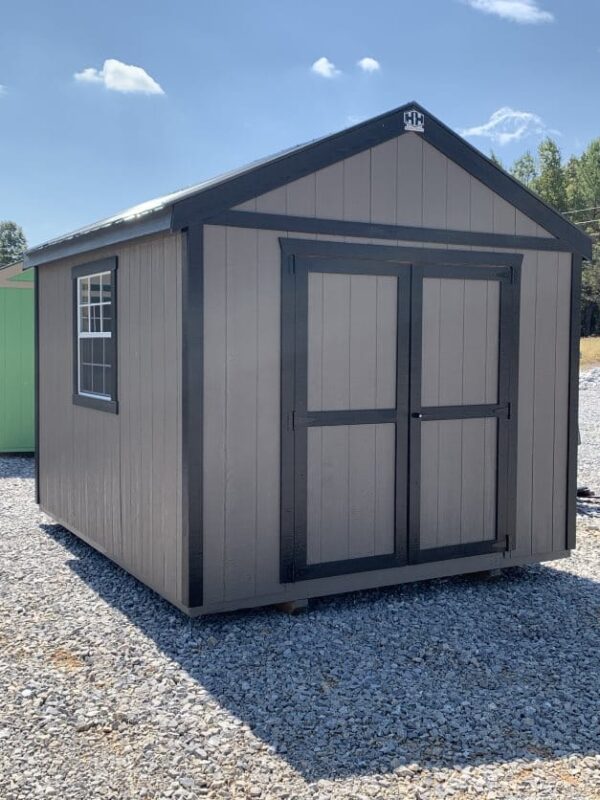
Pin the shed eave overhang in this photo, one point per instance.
(111, 234)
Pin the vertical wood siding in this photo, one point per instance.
(352, 331)
(404, 181)
(350, 491)
(460, 342)
(351, 341)
(116, 478)
(458, 479)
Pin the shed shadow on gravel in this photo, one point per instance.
(17, 465)
(452, 672)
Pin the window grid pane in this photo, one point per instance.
(95, 335)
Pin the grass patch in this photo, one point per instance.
(589, 349)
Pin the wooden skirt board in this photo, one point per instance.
(397, 406)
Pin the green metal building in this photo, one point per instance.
(16, 360)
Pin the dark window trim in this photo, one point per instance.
(503, 267)
(81, 271)
(373, 230)
(110, 406)
(192, 437)
(573, 423)
(93, 267)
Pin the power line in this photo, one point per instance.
(578, 210)
(585, 221)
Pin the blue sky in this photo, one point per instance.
(227, 82)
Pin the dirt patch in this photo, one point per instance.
(65, 660)
(589, 349)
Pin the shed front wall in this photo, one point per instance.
(115, 479)
(404, 181)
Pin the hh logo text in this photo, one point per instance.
(414, 121)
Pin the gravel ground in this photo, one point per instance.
(589, 429)
(462, 688)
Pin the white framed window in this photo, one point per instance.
(95, 329)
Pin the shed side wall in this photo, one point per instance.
(115, 479)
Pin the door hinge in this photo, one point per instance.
(291, 264)
(291, 421)
(504, 544)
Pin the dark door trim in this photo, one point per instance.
(298, 256)
(505, 410)
(398, 253)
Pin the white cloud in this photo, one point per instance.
(523, 11)
(507, 125)
(354, 119)
(325, 68)
(120, 77)
(368, 64)
(2, 89)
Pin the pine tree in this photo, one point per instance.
(589, 175)
(525, 170)
(494, 158)
(550, 182)
(574, 189)
(12, 242)
(575, 194)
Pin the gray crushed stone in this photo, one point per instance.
(460, 688)
(589, 431)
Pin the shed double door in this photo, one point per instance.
(396, 414)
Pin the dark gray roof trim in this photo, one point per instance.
(152, 216)
(206, 200)
(114, 233)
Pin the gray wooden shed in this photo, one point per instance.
(353, 364)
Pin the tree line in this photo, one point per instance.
(572, 187)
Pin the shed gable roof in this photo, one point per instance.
(203, 201)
